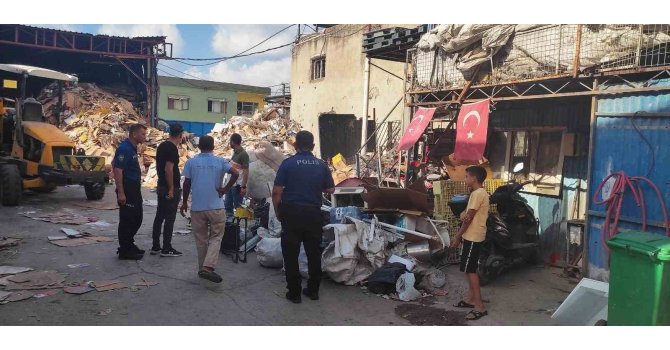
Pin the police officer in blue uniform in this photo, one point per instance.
(128, 179)
(296, 196)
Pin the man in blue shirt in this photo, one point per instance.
(204, 176)
(128, 179)
(296, 196)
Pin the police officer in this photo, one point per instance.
(127, 177)
(296, 196)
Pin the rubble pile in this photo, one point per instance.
(97, 121)
(263, 126)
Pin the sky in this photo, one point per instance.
(213, 40)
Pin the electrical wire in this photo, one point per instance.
(178, 71)
(185, 80)
(651, 148)
(231, 57)
(240, 54)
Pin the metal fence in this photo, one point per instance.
(545, 52)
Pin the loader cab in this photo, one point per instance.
(31, 110)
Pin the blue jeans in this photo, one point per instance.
(233, 200)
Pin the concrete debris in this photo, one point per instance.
(77, 266)
(13, 270)
(61, 217)
(18, 296)
(263, 126)
(146, 283)
(104, 312)
(6, 242)
(103, 286)
(79, 289)
(46, 293)
(97, 121)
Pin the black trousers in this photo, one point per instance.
(301, 224)
(165, 215)
(130, 215)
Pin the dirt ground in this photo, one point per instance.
(249, 294)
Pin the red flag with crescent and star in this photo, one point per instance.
(415, 129)
(471, 129)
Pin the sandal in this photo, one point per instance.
(463, 305)
(475, 315)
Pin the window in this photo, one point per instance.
(217, 106)
(541, 152)
(520, 151)
(318, 68)
(246, 108)
(179, 103)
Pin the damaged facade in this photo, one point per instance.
(328, 75)
(124, 66)
(574, 103)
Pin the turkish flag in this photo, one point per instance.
(415, 129)
(471, 128)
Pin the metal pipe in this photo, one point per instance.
(578, 48)
(560, 42)
(363, 146)
(639, 46)
(414, 233)
(589, 170)
(366, 102)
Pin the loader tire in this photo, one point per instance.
(94, 191)
(11, 184)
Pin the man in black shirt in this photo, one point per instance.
(168, 191)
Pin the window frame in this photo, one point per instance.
(181, 100)
(241, 105)
(544, 184)
(223, 102)
(317, 68)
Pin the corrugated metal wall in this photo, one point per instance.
(619, 147)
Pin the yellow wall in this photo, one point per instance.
(249, 97)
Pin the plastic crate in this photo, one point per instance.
(442, 192)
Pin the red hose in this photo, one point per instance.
(614, 202)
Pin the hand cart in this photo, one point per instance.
(241, 214)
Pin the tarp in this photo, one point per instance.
(524, 51)
(415, 129)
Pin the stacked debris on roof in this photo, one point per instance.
(263, 126)
(97, 121)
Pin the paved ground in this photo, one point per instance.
(249, 295)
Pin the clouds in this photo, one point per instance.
(270, 68)
(231, 39)
(261, 73)
(68, 27)
(132, 30)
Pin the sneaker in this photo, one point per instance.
(313, 296)
(210, 276)
(294, 299)
(130, 255)
(155, 250)
(171, 252)
(137, 249)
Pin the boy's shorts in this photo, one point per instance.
(470, 256)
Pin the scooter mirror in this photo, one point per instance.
(518, 167)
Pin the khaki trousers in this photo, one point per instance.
(208, 227)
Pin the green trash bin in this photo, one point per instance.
(639, 292)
